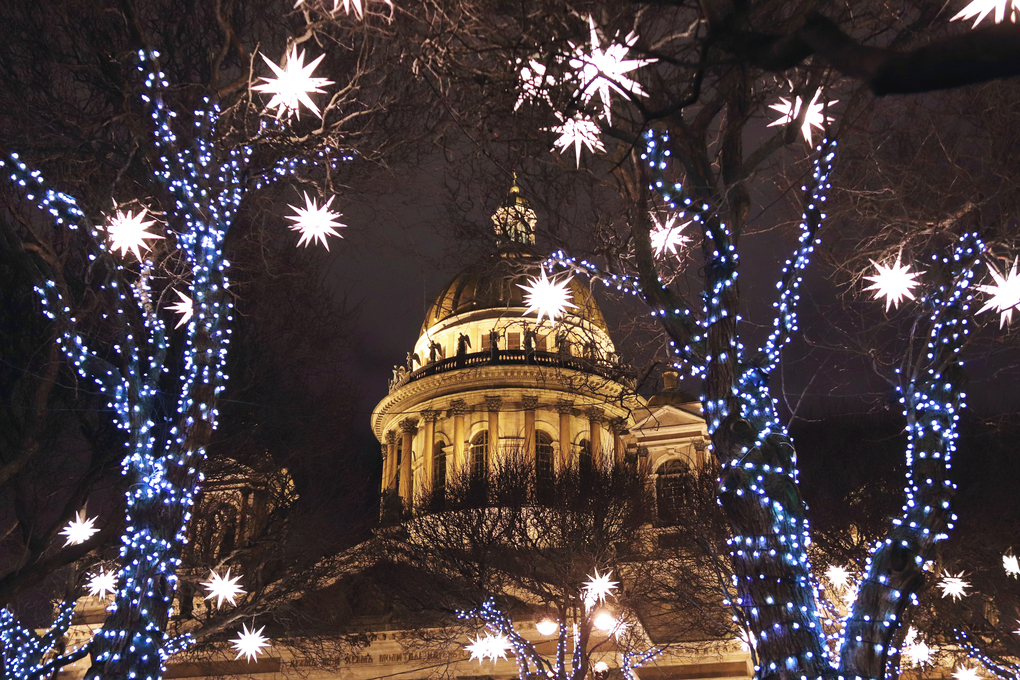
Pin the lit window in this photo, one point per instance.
(479, 454)
(670, 490)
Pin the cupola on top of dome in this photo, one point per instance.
(514, 220)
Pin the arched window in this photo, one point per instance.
(480, 454)
(439, 470)
(670, 491)
(543, 464)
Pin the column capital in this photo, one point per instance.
(617, 425)
(565, 407)
(493, 403)
(430, 416)
(391, 437)
(409, 425)
(699, 444)
(459, 407)
(594, 413)
(529, 402)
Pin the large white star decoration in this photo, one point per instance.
(916, 651)
(981, 9)
(814, 117)
(667, 235)
(838, 576)
(966, 673)
(603, 70)
(549, 297)
(222, 588)
(128, 232)
(315, 222)
(1005, 293)
(893, 282)
(953, 586)
(488, 647)
(1011, 565)
(185, 307)
(249, 643)
(292, 85)
(597, 587)
(535, 84)
(79, 529)
(103, 583)
(579, 131)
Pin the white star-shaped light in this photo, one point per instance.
(1005, 293)
(916, 651)
(185, 307)
(102, 584)
(315, 222)
(79, 529)
(667, 235)
(597, 587)
(223, 588)
(966, 673)
(488, 647)
(953, 586)
(603, 70)
(815, 116)
(292, 85)
(249, 643)
(893, 282)
(348, 5)
(128, 232)
(982, 8)
(1011, 565)
(535, 84)
(838, 576)
(549, 297)
(579, 131)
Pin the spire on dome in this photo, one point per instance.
(514, 220)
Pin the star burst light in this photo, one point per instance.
(953, 586)
(103, 583)
(292, 85)
(249, 643)
(966, 673)
(223, 588)
(982, 8)
(814, 117)
(893, 282)
(185, 307)
(598, 586)
(79, 529)
(315, 222)
(838, 576)
(916, 651)
(549, 297)
(488, 647)
(667, 235)
(1005, 293)
(603, 70)
(579, 131)
(535, 84)
(128, 232)
(1011, 565)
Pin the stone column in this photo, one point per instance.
(617, 427)
(459, 408)
(493, 405)
(409, 428)
(700, 451)
(428, 447)
(565, 408)
(529, 404)
(390, 469)
(595, 433)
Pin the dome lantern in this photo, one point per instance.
(514, 220)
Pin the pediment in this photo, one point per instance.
(664, 417)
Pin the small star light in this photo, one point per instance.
(315, 222)
(815, 117)
(534, 84)
(603, 70)
(185, 307)
(548, 297)
(953, 586)
(893, 283)
(128, 232)
(597, 587)
(577, 131)
(982, 8)
(916, 651)
(292, 85)
(103, 583)
(667, 236)
(249, 643)
(79, 529)
(489, 647)
(838, 576)
(1011, 565)
(222, 588)
(966, 673)
(1005, 294)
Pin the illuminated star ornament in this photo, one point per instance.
(128, 232)
(814, 117)
(579, 131)
(535, 84)
(605, 69)
(894, 283)
(79, 529)
(966, 673)
(102, 584)
(1011, 565)
(953, 586)
(598, 586)
(982, 8)
(249, 643)
(185, 307)
(549, 297)
(916, 651)
(488, 647)
(223, 588)
(667, 236)
(315, 222)
(292, 85)
(1005, 294)
(838, 576)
